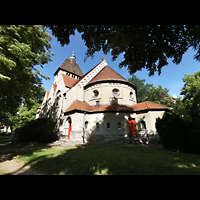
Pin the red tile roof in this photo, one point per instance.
(107, 73)
(69, 81)
(83, 106)
(146, 105)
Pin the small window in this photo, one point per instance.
(97, 126)
(108, 126)
(115, 92)
(119, 126)
(86, 124)
(95, 93)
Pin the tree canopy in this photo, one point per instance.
(144, 46)
(148, 92)
(22, 47)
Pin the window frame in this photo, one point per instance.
(108, 126)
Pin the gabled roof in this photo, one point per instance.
(69, 81)
(69, 67)
(144, 106)
(107, 74)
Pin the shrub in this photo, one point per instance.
(178, 134)
(172, 131)
(41, 130)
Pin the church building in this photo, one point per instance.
(100, 105)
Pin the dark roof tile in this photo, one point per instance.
(69, 67)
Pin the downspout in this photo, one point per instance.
(84, 127)
(84, 119)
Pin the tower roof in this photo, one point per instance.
(70, 67)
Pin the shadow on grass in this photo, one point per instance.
(8, 150)
(94, 159)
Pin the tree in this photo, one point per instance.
(27, 110)
(144, 46)
(148, 92)
(160, 95)
(22, 47)
(180, 129)
(191, 92)
(143, 89)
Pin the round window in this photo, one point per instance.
(115, 92)
(95, 93)
(131, 95)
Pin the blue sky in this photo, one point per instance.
(171, 76)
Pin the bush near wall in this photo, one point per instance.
(40, 130)
(178, 135)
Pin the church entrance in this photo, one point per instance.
(132, 127)
(69, 126)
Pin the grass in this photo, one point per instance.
(111, 159)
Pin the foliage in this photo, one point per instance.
(143, 89)
(160, 95)
(191, 92)
(149, 92)
(21, 48)
(144, 46)
(172, 131)
(27, 110)
(180, 130)
(41, 130)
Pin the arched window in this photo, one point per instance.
(97, 126)
(86, 124)
(143, 125)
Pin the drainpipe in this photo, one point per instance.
(84, 119)
(84, 127)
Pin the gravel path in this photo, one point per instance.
(16, 167)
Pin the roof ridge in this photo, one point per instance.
(108, 74)
(69, 67)
(147, 104)
(85, 75)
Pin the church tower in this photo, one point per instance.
(70, 68)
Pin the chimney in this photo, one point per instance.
(72, 58)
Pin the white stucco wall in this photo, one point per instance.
(106, 94)
(150, 120)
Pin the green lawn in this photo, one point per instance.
(105, 159)
(113, 159)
